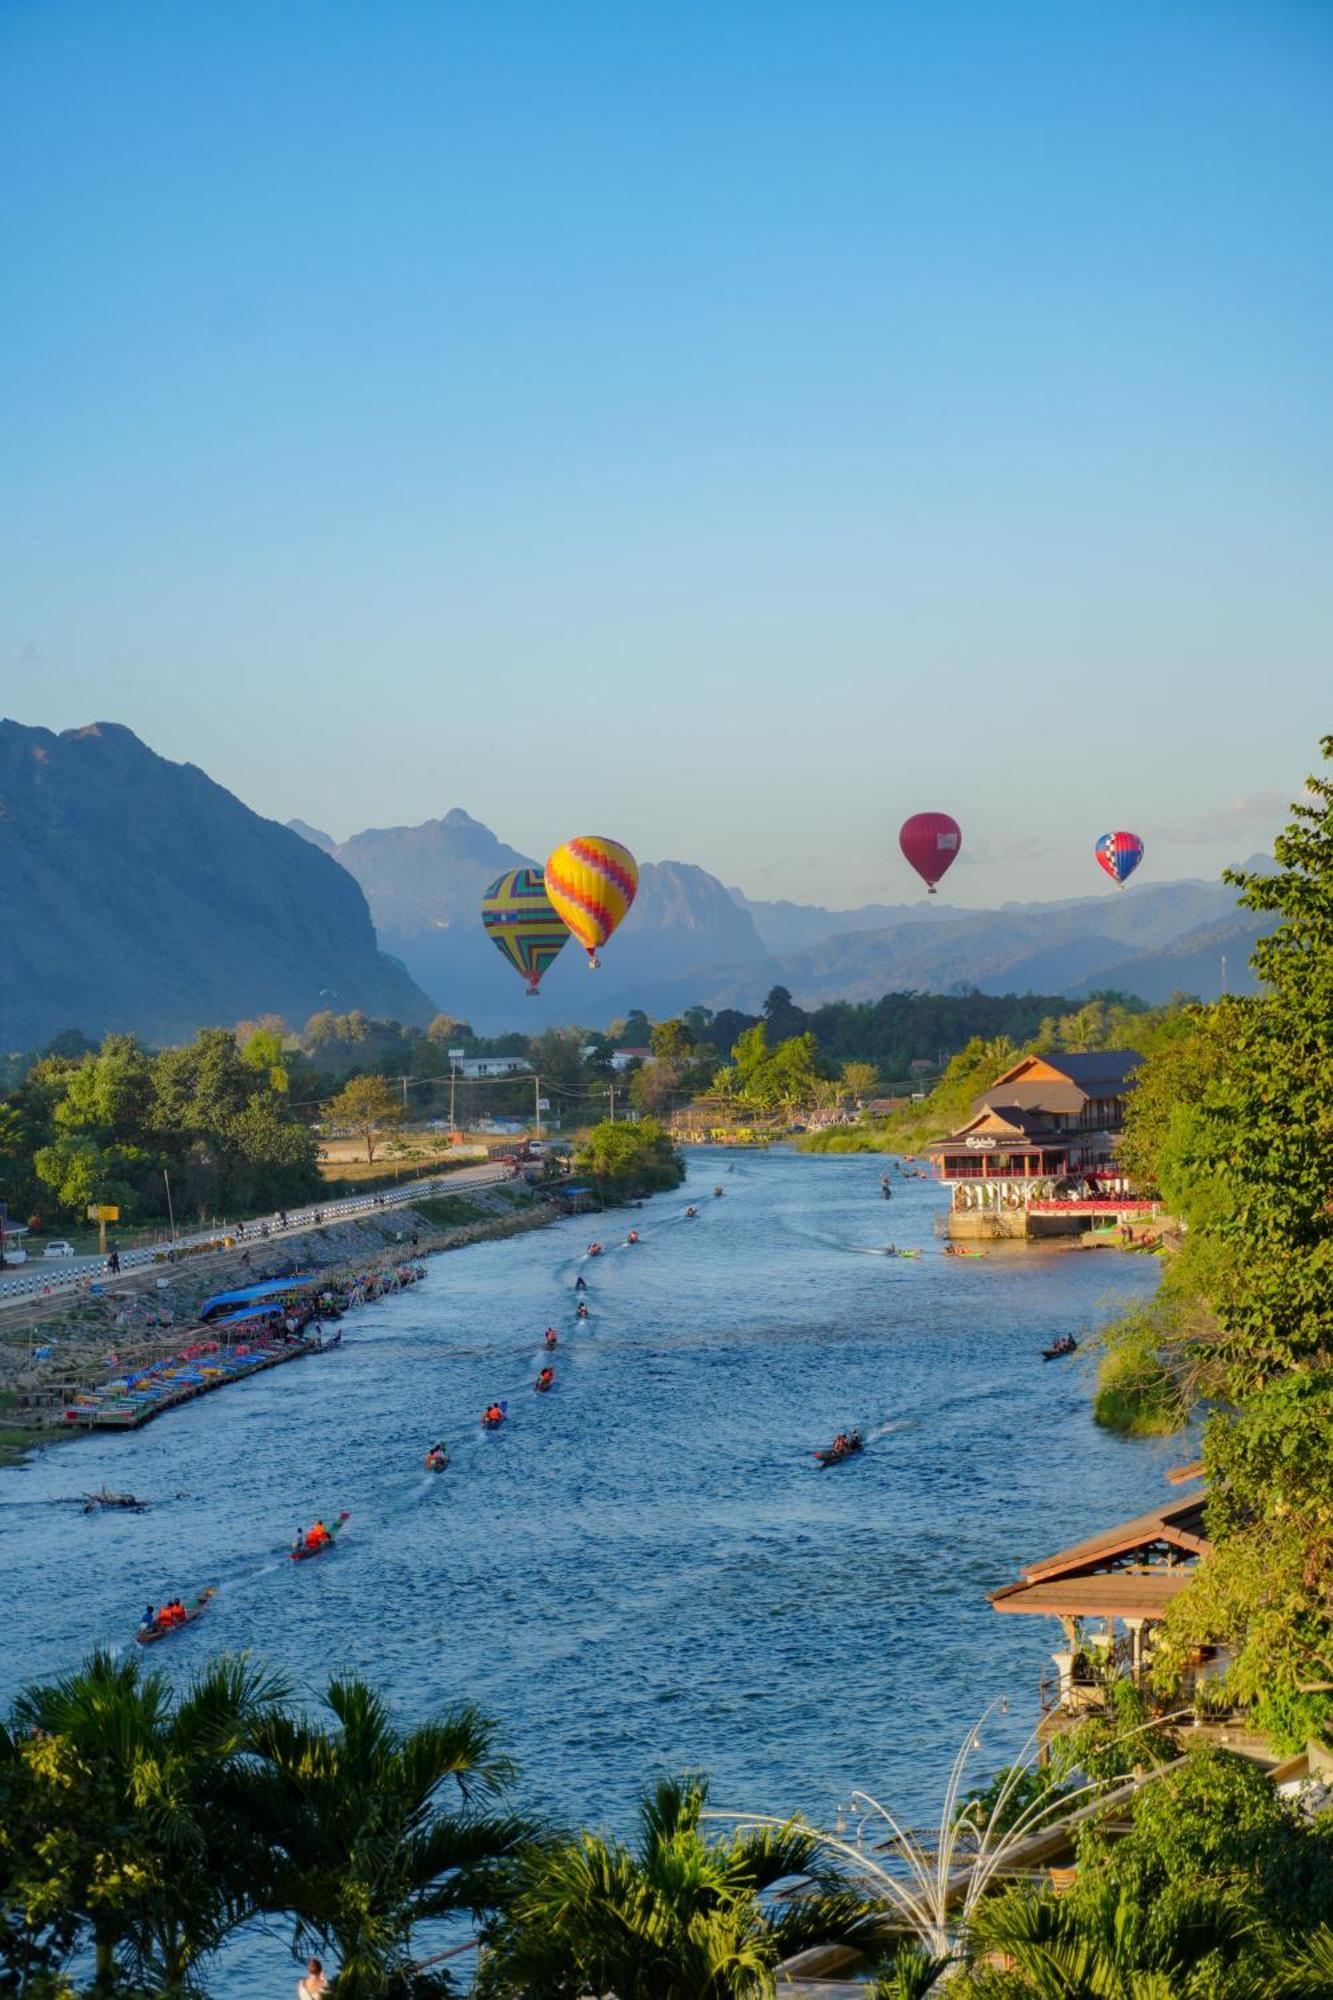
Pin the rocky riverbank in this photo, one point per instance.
(51, 1352)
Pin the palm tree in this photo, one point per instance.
(677, 1916)
(913, 1974)
(137, 1792)
(1309, 1969)
(1106, 1946)
(365, 1849)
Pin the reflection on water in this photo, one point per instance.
(644, 1569)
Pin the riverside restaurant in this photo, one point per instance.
(1037, 1157)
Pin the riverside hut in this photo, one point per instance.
(1109, 1593)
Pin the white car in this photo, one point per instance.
(59, 1248)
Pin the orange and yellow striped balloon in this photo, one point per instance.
(591, 882)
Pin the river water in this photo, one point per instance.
(644, 1570)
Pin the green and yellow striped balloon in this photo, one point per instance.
(519, 921)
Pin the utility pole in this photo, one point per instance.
(537, 1106)
(171, 1213)
(611, 1087)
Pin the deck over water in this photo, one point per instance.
(643, 1570)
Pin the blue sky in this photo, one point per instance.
(729, 427)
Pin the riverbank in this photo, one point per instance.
(53, 1353)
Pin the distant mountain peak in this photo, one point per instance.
(314, 834)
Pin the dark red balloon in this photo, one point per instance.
(930, 842)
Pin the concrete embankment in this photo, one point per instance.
(52, 1351)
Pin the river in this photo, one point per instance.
(644, 1570)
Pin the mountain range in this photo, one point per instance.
(137, 894)
(689, 940)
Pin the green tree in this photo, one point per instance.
(676, 1916)
(137, 1824)
(861, 1079)
(109, 1097)
(1267, 1588)
(374, 1831)
(368, 1108)
(625, 1158)
(1109, 1947)
(1213, 1827)
(262, 1051)
(79, 1171)
(671, 1043)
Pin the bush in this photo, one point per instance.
(626, 1160)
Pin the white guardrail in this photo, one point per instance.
(262, 1230)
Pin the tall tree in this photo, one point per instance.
(368, 1107)
(374, 1831)
(136, 1802)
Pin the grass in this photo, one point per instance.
(14, 1446)
(451, 1211)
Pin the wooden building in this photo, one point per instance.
(1109, 1592)
(1037, 1154)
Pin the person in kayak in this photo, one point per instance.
(840, 1444)
(580, 1283)
(582, 1312)
(717, 1191)
(149, 1619)
(298, 1541)
(691, 1211)
(550, 1337)
(317, 1537)
(633, 1236)
(494, 1414)
(545, 1379)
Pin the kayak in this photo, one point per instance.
(1059, 1353)
(304, 1553)
(965, 1253)
(494, 1423)
(832, 1457)
(907, 1253)
(148, 1635)
(542, 1387)
(437, 1461)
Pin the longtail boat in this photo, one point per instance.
(832, 1456)
(148, 1635)
(305, 1551)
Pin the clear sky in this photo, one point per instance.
(727, 426)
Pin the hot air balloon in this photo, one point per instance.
(1119, 854)
(519, 921)
(591, 883)
(930, 842)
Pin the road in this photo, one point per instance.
(57, 1276)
